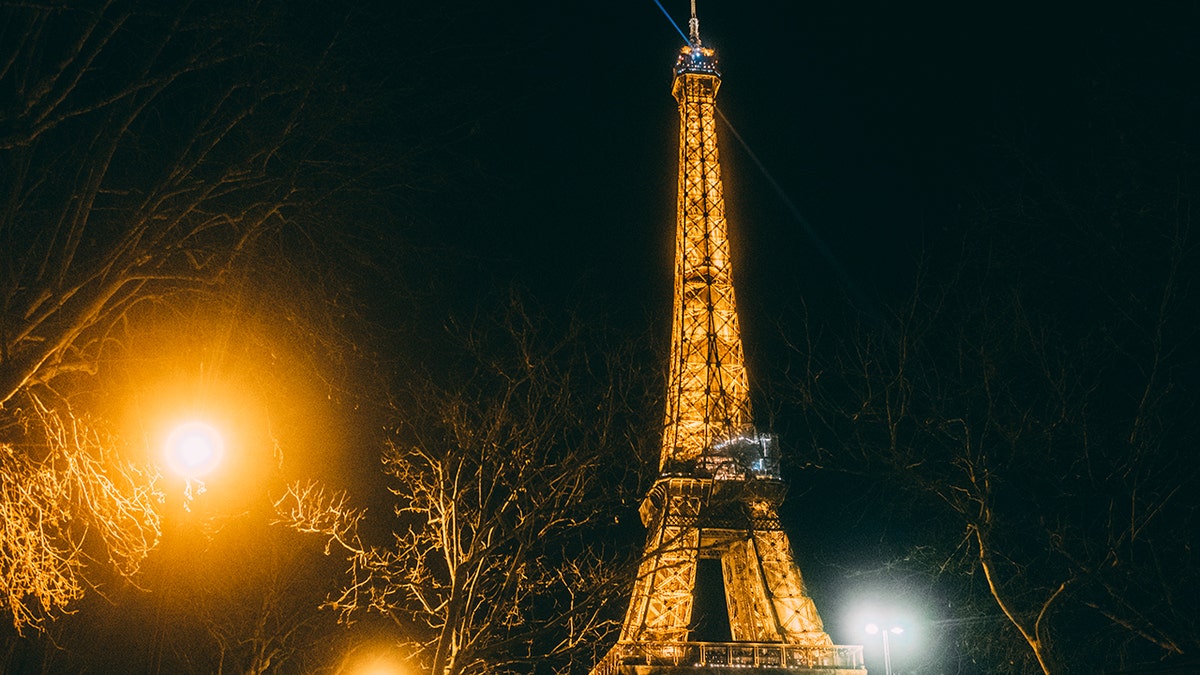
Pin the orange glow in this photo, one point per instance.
(374, 662)
(380, 668)
(259, 389)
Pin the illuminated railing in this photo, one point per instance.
(730, 654)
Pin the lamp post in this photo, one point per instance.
(887, 650)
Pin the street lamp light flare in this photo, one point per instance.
(194, 449)
(374, 664)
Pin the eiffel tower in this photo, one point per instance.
(719, 488)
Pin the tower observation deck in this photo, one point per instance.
(719, 487)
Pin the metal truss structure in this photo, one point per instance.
(707, 395)
(719, 487)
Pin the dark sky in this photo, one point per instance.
(881, 123)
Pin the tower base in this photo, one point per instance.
(730, 658)
(731, 670)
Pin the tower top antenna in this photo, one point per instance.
(694, 27)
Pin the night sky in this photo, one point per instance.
(881, 123)
(543, 145)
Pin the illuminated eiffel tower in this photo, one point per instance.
(717, 496)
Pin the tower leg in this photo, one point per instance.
(795, 611)
(661, 610)
(751, 617)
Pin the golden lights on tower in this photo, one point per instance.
(708, 394)
(719, 487)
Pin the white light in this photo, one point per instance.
(194, 449)
(872, 628)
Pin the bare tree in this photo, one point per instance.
(144, 149)
(72, 501)
(1042, 422)
(505, 484)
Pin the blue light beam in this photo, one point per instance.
(686, 41)
(809, 230)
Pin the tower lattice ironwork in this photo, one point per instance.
(719, 487)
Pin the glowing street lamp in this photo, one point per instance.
(194, 449)
(373, 662)
(887, 650)
(381, 668)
